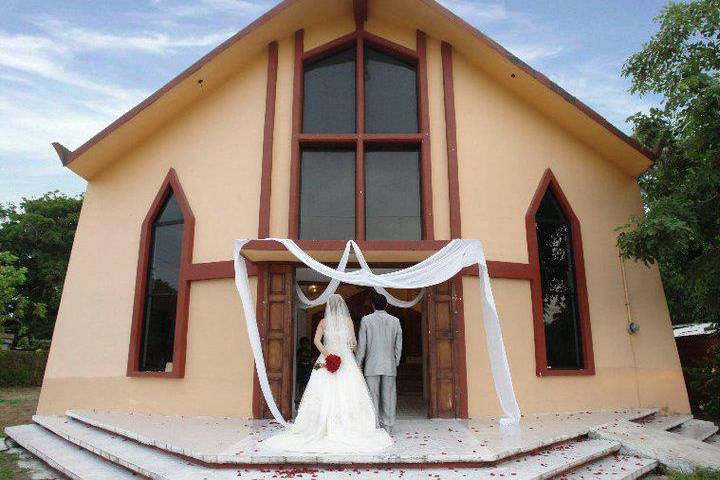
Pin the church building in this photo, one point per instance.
(398, 125)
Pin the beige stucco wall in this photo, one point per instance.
(504, 147)
(215, 147)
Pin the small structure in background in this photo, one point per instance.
(693, 342)
(6, 340)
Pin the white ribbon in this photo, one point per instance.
(305, 302)
(438, 268)
(332, 287)
(391, 299)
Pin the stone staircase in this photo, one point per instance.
(615, 450)
(676, 441)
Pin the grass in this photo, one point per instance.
(9, 469)
(17, 406)
(698, 475)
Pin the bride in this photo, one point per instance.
(336, 414)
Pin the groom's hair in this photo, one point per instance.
(379, 301)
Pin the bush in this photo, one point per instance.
(705, 378)
(22, 369)
(39, 344)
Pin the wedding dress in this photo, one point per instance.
(336, 414)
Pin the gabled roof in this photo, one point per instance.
(291, 15)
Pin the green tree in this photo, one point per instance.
(680, 228)
(39, 232)
(12, 303)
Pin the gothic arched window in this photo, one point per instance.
(562, 327)
(156, 344)
(159, 326)
(360, 143)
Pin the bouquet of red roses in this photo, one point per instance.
(332, 363)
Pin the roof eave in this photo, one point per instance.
(63, 153)
(67, 156)
(544, 80)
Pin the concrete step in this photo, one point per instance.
(697, 429)
(157, 464)
(544, 463)
(147, 461)
(664, 422)
(238, 441)
(614, 467)
(73, 462)
(670, 449)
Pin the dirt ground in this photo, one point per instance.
(17, 406)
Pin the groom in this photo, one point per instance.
(380, 345)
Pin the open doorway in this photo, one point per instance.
(411, 388)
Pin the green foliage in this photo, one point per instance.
(22, 369)
(680, 228)
(706, 378)
(39, 232)
(9, 468)
(697, 475)
(12, 303)
(38, 344)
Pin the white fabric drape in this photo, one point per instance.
(332, 287)
(438, 268)
(305, 302)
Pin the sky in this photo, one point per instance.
(69, 68)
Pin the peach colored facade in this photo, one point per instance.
(509, 131)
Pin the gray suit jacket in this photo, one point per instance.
(379, 344)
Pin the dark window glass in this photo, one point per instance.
(390, 94)
(559, 290)
(170, 211)
(163, 279)
(392, 194)
(329, 94)
(327, 194)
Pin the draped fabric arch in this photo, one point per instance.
(438, 268)
(332, 287)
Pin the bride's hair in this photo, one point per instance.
(337, 318)
(336, 307)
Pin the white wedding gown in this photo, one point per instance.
(336, 414)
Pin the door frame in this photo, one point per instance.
(446, 361)
(455, 332)
(275, 286)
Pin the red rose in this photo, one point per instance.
(332, 363)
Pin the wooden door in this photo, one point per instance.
(275, 322)
(446, 350)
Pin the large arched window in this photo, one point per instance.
(360, 143)
(563, 340)
(157, 345)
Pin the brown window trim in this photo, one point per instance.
(360, 139)
(268, 135)
(549, 181)
(171, 182)
(446, 55)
